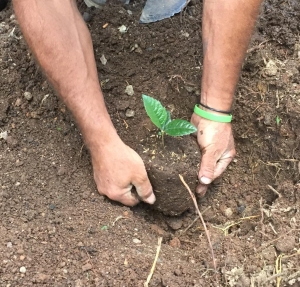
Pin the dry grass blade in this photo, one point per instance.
(146, 284)
(202, 220)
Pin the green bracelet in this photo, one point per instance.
(213, 117)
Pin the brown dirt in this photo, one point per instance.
(54, 223)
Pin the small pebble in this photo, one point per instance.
(122, 29)
(286, 244)
(9, 245)
(28, 96)
(103, 60)
(52, 206)
(136, 241)
(130, 113)
(174, 223)
(129, 90)
(87, 17)
(228, 212)
(20, 251)
(18, 102)
(23, 270)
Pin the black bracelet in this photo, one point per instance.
(214, 110)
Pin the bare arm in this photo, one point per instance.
(227, 28)
(61, 42)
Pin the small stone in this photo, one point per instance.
(228, 212)
(18, 102)
(241, 208)
(87, 17)
(286, 244)
(52, 206)
(19, 162)
(103, 60)
(9, 245)
(129, 90)
(23, 270)
(129, 113)
(28, 96)
(175, 242)
(136, 241)
(80, 244)
(22, 257)
(87, 267)
(271, 69)
(175, 223)
(122, 29)
(3, 135)
(20, 251)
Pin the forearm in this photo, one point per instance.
(227, 27)
(62, 45)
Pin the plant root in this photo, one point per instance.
(146, 284)
(202, 220)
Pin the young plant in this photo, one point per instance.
(162, 119)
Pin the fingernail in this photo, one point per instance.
(205, 180)
(151, 199)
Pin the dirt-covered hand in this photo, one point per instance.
(117, 168)
(217, 147)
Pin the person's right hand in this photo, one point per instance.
(217, 147)
(117, 168)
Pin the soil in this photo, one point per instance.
(56, 230)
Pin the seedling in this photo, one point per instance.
(162, 119)
(278, 120)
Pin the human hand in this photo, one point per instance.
(117, 168)
(217, 147)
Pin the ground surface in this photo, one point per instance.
(55, 224)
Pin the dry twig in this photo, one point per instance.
(146, 284)
(202, 220)
(274, 190)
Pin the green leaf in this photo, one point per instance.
(179, 128)
(167, 120)
(156, 112)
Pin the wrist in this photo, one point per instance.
(218, 100)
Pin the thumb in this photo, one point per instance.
(144, 188)
(207, 168)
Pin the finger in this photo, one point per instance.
(144, 188)
(127, 198)
(222, 165)
(207, 168)
(201, 189)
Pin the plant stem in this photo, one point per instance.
(162, 138)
